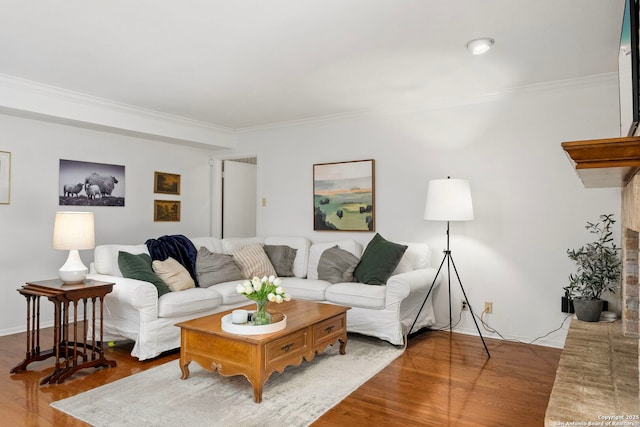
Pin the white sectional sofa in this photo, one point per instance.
(133, 310)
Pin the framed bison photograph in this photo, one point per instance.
(343, 196)
(166, 183)
(91, 184)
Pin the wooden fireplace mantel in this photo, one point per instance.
(615, 162)
(602, 163)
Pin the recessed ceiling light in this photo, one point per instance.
(480, 46)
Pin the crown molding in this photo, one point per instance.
(45, 102)
(444, 103)
(37, 100)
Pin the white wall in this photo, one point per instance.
(26, 224)
(529, 204)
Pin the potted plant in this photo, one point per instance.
(598, 270)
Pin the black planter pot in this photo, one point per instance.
(566, 305)
(588, 310)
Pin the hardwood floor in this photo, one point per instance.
(446, 379)
(442, 379)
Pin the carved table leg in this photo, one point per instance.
(257, 391)
(343, 345)
(184, 368)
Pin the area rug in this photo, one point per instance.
(296, 397)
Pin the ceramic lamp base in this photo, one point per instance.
(73, 271)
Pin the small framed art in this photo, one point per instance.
(166, 183)
(166, 210)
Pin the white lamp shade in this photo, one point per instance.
(73, 230)
(449, 200)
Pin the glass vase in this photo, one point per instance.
(261, 316)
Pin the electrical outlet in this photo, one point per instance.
(488, 307)
(463, 305)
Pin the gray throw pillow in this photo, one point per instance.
(213, 268)
(282, 257)
(337, 265)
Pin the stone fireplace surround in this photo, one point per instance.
(630, 232)
(598, 374)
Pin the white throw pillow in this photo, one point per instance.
(173, 274)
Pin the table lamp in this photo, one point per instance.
(73, 231)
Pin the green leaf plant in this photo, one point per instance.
(598, 264)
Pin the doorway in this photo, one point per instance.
(239, 197)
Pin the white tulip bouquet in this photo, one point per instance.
(265, 289)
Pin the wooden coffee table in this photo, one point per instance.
(311, 327)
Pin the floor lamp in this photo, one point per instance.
(449, 200)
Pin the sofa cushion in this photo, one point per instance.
(229, 292)
(173, 274)
(316, 250)
(357, 295)
(211, 243)
(105, 257)
(138, 266)
(281, 257)
(378, 261)
(232, 244)
(189, 301)
(253, 261)
(306, 289)
(337, 265)
(213, 268)
(417, 255)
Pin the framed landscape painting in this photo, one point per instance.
(344, 196)
(166, 210)
(166, 183)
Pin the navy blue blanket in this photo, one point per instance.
(178, 247)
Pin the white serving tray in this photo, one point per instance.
(250, 329)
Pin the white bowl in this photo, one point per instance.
(251, 329)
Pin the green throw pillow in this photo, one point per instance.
(378, 261)
(140, 267)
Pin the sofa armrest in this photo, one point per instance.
(400, 286)
(130, 294)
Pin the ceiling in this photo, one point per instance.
(242, 64)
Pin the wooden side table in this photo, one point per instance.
(71, 349)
